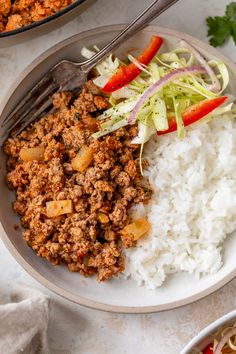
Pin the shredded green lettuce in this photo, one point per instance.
(119, 109)
(121, 123)
(145, 130)
(179, 120)
(224, 73)
(159, 113)
(172, 100)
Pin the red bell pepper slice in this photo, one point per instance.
(195, 112)
(208, 349)
(126, 74)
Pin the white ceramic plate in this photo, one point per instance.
(204, 338)
(117, 295)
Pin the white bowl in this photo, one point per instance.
(204, 338)
(117, 295)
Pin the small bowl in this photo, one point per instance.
(204, 338)
(49, 23)
(119, 294)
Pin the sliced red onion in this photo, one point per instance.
(158, 85)
(224, 340)
(215, 86)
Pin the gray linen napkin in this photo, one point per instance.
(24, 322)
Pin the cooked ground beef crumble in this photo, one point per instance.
(19, 13)
(88, 240)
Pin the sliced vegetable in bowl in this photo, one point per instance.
(163, 92)
(219, 337)
(223, 342)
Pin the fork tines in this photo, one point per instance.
(36, 102)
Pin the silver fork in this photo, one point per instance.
(70, 76)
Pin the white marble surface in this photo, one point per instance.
(77, 330)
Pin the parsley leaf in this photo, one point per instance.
(230, 11)
(220, 28)
(233, 31)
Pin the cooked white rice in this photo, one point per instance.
(194, 203)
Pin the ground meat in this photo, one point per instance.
(128, 241)
(19, 13)
(88, 240)
(85, 104)
(91, 87)
(131, 169)
(123, 179)
(100, 102)
(14, 22)
(5, 7)
(61, 99)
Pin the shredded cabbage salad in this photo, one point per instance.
(169, 85)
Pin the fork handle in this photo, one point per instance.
(151, 12)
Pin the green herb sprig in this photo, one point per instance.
(220, 28)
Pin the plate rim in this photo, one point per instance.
(20, 259)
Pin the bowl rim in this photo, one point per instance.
(20, 259)
(41, 22)
(211, 328)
